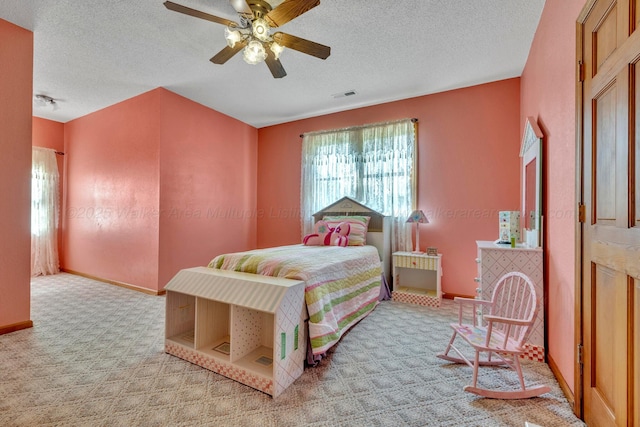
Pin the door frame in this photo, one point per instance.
(578, 406)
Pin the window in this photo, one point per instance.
(44, 212)
(373, 164)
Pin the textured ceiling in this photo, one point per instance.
(90, 54)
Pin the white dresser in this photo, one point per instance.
(496, 260)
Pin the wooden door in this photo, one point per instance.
(609, 239)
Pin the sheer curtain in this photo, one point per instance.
(45, 210)
(373, 164)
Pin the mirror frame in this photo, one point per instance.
(530, 150)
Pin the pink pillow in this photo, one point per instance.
(324, 235)
(358, 227)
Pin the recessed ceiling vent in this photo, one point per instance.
(343, 94)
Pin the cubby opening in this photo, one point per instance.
(420, 282)
(212, 328)
(254, 339)
(181, 318)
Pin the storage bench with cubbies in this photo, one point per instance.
(247, 327)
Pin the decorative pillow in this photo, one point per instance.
(325, 235)
(359, 225)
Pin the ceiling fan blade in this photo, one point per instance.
(289, 9)
(198, 14)
(242, 8)
(275, 66)
(225, 54)
(301, 45)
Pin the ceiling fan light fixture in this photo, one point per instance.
(261, 29)
(232, 36)
(45, 101)
(254, 52)
(253, 36)
(276, 49)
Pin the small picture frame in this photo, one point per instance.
(264, 361)
(431, 251)
(224, 348)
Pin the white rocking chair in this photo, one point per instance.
(511, 313)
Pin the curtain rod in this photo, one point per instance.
(413, 120)
(60, 153)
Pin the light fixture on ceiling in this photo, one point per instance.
(257, 39)
(254, 53)
(232, 36)
(253, 34)
(261, 29)
(276, 49)
(44, 101)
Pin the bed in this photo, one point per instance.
(342, 284)
(277, 306)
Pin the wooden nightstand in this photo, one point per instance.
(416, 278)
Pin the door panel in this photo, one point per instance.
(604, 37)
(603, 311)
(604, 150)
(608, 350)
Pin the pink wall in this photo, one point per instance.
(468, 170)
(208, 165)
(16, 69)
(548, 94)
(144, 180)
(48, 134)
(110, 229)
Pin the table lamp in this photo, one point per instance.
(418, 217)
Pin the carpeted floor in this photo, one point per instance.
(95, 358)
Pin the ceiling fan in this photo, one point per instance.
(253, 33)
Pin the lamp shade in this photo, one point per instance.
(418, 216)
(232, 36)
(276, 49)
(254, 52)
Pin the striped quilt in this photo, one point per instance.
(342, 283)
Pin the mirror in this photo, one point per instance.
(531, 154)
(529, 195)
